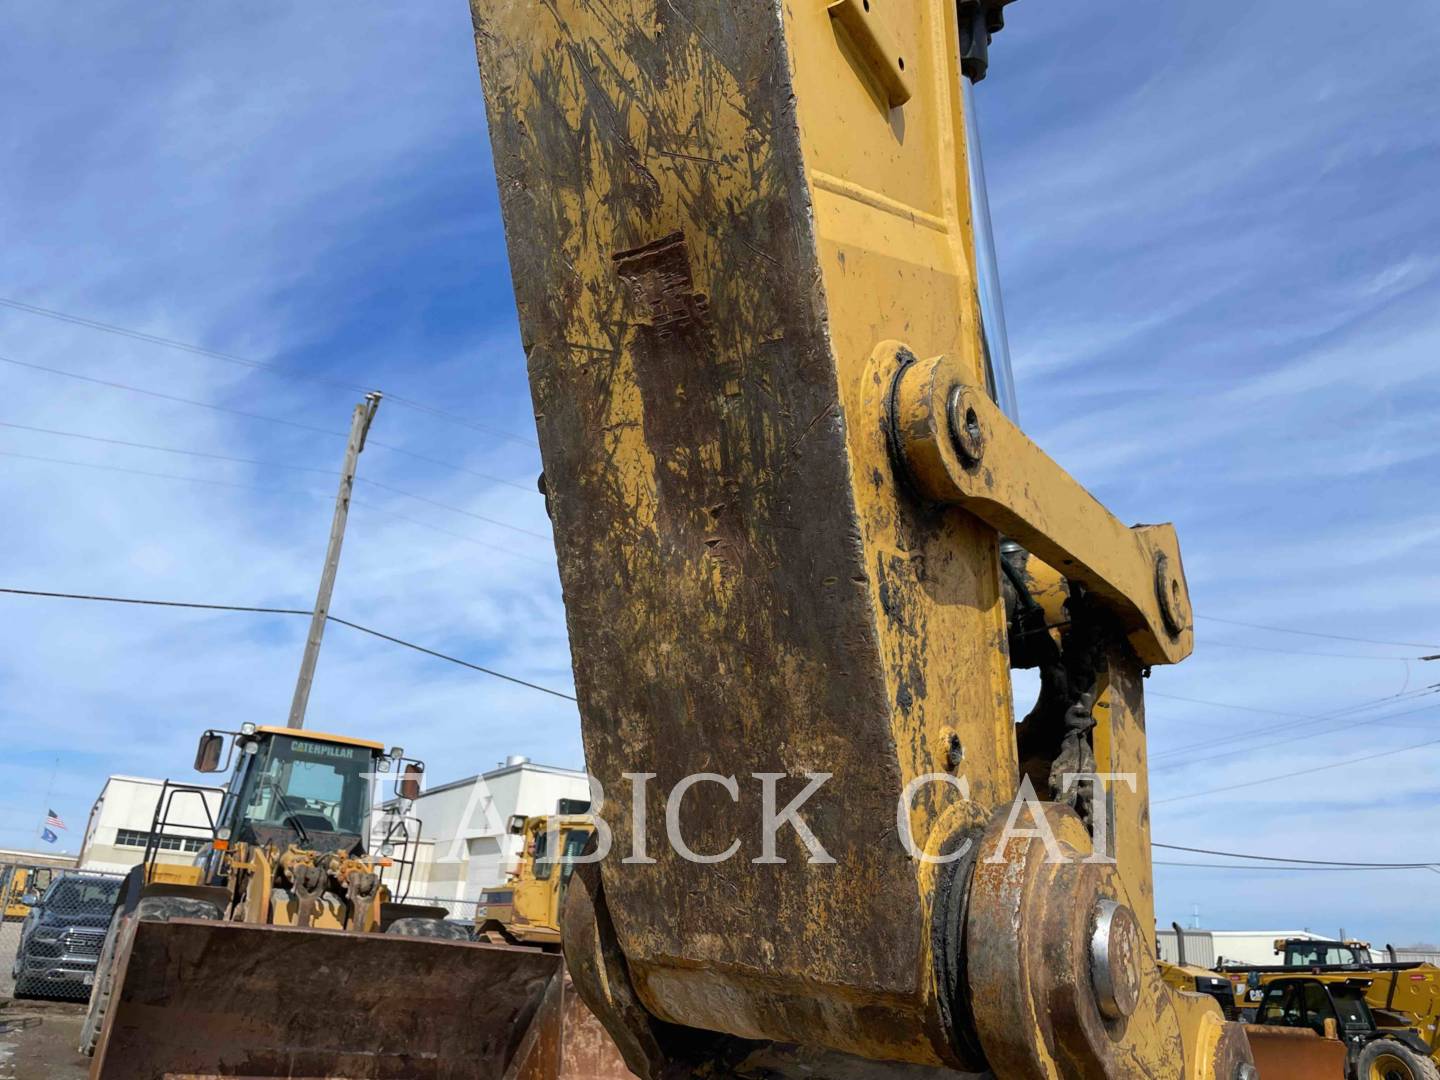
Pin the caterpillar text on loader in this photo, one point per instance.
(282, 952)
(802, 541)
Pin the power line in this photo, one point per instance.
(1345, 725)
(1307, 862)
(259, 365)
(269, 420)
(1209, 643)
(271, 490)
(273, 465)
(1271, 869)
(170, 397)
(1303, 719)
(453, 509)
(1317, 634)
(1299, 772)
(290, 611)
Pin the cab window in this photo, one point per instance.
(543, 864)
(1281, 1006)
(575, 841)
(323, 786)
(1354, 1013)
(1317, 1006)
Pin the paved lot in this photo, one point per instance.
(38, 1039)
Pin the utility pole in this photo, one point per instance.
(359, 428)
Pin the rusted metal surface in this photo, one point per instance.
(721, 224)
(230, 1000)
(720, 590)
(1283, 1053)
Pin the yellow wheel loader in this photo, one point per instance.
(285, 951)
(525, 910)
(803, 539)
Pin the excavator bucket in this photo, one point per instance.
(195, 999)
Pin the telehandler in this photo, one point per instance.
(802, 539)
(283, 952)
(1401, 995)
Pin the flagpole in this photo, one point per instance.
(49, 793)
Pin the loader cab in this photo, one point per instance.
(291, 786)
(1310, 1003)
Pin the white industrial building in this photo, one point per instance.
(465, 844)
(1206, 948)
(120, 823)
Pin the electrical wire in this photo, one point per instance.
(1210, 643)
(1269, 869)
(1345, 725)
(1308, 862)
(1298, 772)
(1316, 634)
(274, 465)
(290, 611)
(259, 365)
(1303, 719)
(268, 489)
(370, 440)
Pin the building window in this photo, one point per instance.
(168, 841)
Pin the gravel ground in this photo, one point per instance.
(38, 1039)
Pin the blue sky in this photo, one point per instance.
(1218, 242)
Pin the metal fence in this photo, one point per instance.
(54, 924)
(1408, 956)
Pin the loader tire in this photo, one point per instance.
(1386, 1059)
(431, 928)
(152, 908)
(104, 984)
(165, 908)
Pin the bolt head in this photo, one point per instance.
(1116, 947)
(966, 431)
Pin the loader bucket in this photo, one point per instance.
(1286, 1053)
(195, 998)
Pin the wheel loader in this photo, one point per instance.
(803, 539)
(287, 950)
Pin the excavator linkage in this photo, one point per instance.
(743, 256)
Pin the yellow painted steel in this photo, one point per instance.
(320, 736)
(734, 229)
(532, 916)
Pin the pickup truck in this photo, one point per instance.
(61, 936)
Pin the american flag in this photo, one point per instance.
(54, 821)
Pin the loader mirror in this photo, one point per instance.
(408, 786)
(516, 824)
(207, 754)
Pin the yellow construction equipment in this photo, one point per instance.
(525, 910)
(802, 540)
(1404, 996)
(286, 952)
(19, 882)
(1336, 1010)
